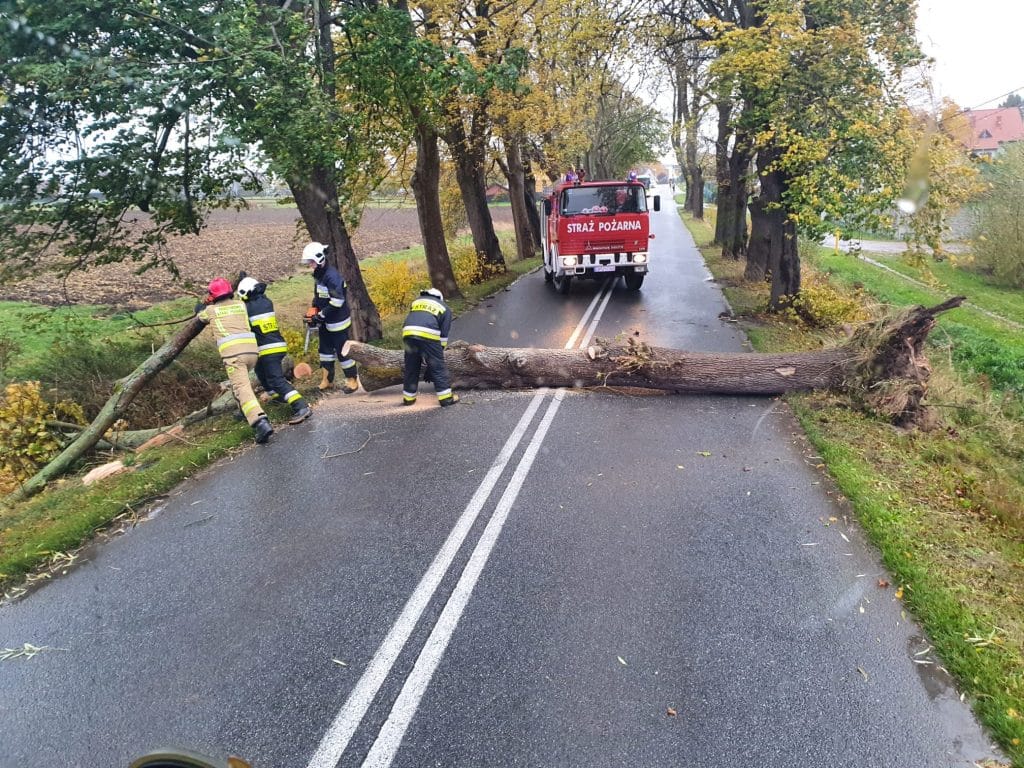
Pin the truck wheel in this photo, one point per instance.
(634, 280)
(548, 276)
(562, 284)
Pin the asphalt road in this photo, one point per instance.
(529, 579)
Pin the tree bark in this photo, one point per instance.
(530, 197)
(469, 154)
(723, 195)
(317, 201)
(426, 184)
(773, 242)
(883, 364)
(734, 232)
(125, 392)
(517, 195)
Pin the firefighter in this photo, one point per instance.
(330, 315)
(424, 337)
(236, 344)
(272, 348)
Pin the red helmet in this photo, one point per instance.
(219, 288)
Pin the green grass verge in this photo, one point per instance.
(67, 513)
(943, 507)
(980, 344)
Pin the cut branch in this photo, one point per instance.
(125, 392)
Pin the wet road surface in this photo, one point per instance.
(528, 579)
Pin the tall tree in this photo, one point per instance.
(821, 85)
(399, 75)
(120, 107)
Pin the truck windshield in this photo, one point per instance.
(627, 198)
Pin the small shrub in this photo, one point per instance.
(393, 284)
(468, 267)
(821, 305)
(27, 439)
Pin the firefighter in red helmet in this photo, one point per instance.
(236, 344)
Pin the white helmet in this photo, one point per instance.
(245, 288)
(315, 252)
(433, 292)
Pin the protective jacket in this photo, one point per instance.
(230, 324)
(329, 298)
(264, 323)
(429, 318)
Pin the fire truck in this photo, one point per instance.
(595, 229)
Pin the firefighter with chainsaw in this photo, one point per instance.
(424, 337)
(330, 316)
(272, 348)
(236, 344)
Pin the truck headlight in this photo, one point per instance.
(639, 258)
(568, 261)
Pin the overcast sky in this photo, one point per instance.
(977, 47)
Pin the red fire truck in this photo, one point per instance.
(594, 229)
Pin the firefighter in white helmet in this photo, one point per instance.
(272, 348)
(330, 315)
(424, 337)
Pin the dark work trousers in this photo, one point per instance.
(331, 343)
(268, 371)
(432, 353)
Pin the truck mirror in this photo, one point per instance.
(657, 202)
(547, 207)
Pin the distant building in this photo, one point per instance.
(991, 128)
(496, 193)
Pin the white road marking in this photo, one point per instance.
(390, 737)
(332, 746)
(388, 741)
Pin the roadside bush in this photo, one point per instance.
(28, 440)
(999, 242)
(820, 305)
(467, 267)
(393, 284)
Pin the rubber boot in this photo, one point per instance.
(325, 380)
(351, 385)
(301, 415)
(262, 430)
(454, 399)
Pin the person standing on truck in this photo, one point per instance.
(330, 315)
(236, 344)
(271, 347)
(424, 337)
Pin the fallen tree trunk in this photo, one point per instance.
(125, 392)
(883, 364)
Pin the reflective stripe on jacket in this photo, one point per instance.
(230, 324)
(428, 319)
(263, 321)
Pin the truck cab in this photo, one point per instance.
(595, 229)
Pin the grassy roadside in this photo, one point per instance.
(40, 532)
(946, 507)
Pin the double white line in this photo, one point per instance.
(384, 748)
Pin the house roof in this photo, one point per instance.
(992, 127)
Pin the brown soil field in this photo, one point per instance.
(265, 241)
